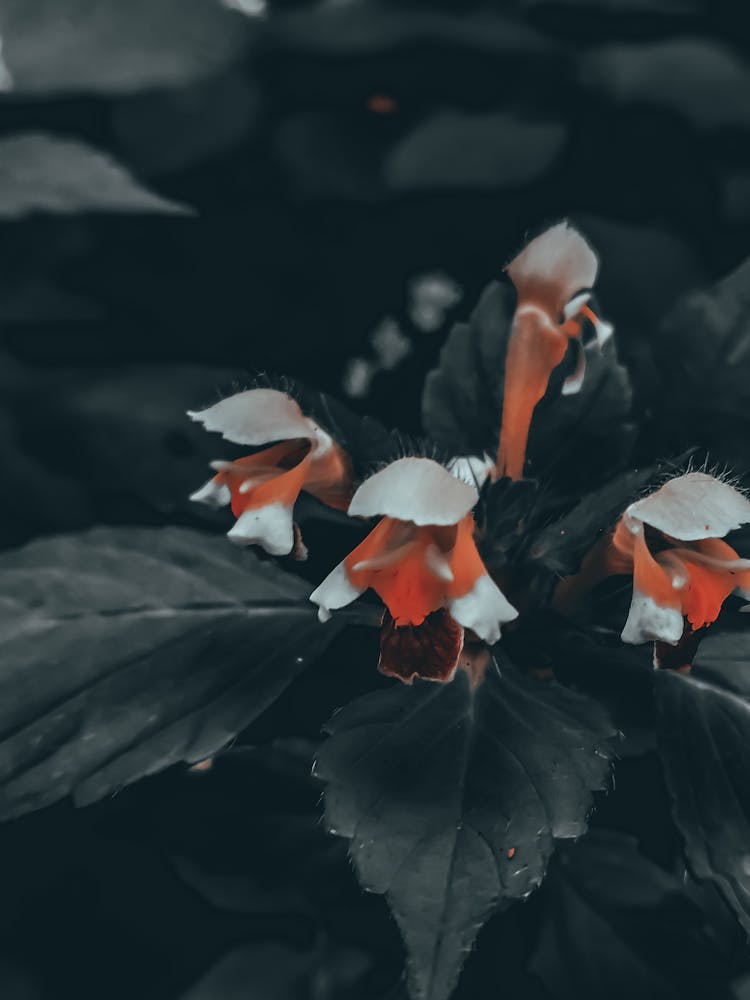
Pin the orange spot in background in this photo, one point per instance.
(511, 852)
(203, 765)
(381, 104)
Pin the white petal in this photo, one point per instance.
(414, 489)
(648, 621)
(559, 257)
(212, 493)
(693, 506)
(574, 306)
(471, 469)
(336, 591)
(255, 417)
(604, 331)
(271, 527)
(485, 609)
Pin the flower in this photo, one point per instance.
(553, 276)
(421, 559)
(671, 541)
(263, 487)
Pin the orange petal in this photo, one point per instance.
(466, 563)
(329, 477)
(651, 577)
(397, 561)
(536, 347)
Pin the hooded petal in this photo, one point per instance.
(336, 591)
(553, 267)
(256, 417)
(692, 507)
(270, 526)
(414, 489)
(648, 621)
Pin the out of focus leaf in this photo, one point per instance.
(700, 79)
(476, 151)
(105, 45)
(703, 353)
(559, 547)
(45, 173)
(367, 26)
(617, 925)
(262, 971)
(124, 432)
(127, 650)
(703, 727)
(452, 796)
(172, 129)
(579, 435)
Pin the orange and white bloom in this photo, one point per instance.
(263, 487)
(671, 541)
(553, 276)
(420, 559)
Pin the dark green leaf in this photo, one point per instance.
(703, 725)
(108, 46)
(703, 353)
(452, 798)
(560, 546)
(45, 173)
(578, 436)
(127, 650)
(610, 908)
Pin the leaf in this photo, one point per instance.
(703, 352)
(703, 727)
(110, 47)
(560, 547)
(572, 435)
(477, 151)
(174, 129)
(452, 796)
(127, 650)
(45, 173)
(366, 27)
(617, 925)
(124, 433)
(270, 971)
(699, 79)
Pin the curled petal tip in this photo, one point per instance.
(213, 494)
(270, 527)
(336, 591)
(484, 609)
(648, 621)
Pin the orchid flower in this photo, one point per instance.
(421, 559)
(553, 276)
(681, 568)
(263, 487)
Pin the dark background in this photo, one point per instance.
(335, 158)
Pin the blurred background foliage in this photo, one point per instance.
(192, 190)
